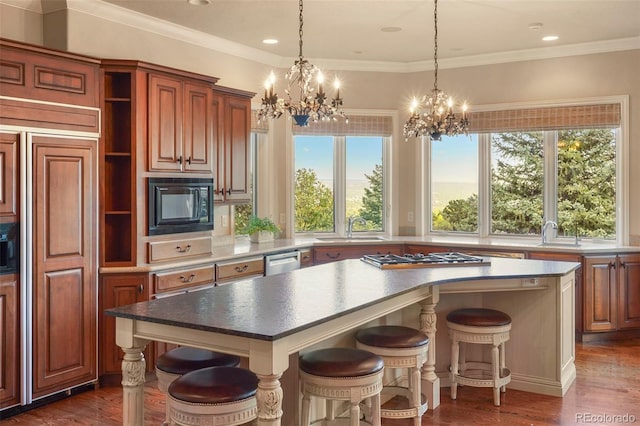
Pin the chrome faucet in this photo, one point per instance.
(545, 228)
(350, 221)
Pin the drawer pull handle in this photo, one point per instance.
(241, 269)
(140, 288)
(187, 280)
(333, 256)
(183, 250)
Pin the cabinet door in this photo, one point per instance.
(9, 176)
(600, 293)
(9, 341)
(629, 291)
(165, 123)
(118, 290)
(64, 280)
(237, 128)
(198, 128)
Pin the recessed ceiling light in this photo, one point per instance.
(390, 29)
(199, 2)
(270, 41)
(550, 38)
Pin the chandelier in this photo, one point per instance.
(433, 114)
(311, 104)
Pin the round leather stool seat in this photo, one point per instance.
(479, 326)
(402, 348)
(176, 362)
(392, 336)
(341, 374)
(214, 385)
(213, 395)
(340, 362)
(479, 317)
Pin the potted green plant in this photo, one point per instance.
(260, 229)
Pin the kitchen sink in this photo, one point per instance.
(347, 239)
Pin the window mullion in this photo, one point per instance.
(340, 184)
(550, 198)
(484, 184)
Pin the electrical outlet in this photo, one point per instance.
(410, 216)
(225, 221)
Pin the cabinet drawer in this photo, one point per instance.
(336, 253)
(174, 280)
(239, 269)
(177, 249)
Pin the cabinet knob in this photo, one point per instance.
(220, 191)
(179, 160)
(228, 191)
(183, 250)
(189, 160)
(622, 263)
(140, 288)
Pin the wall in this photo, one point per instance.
(583, 76)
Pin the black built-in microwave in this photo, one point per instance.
(9, 251)
(180, 205)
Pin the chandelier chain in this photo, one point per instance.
(301, 23)
(435, 45)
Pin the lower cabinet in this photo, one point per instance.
(611, 292)
(118, 290)
(9, 341)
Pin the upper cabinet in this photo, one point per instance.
(233, 109)
(181, 125)
(9, 176)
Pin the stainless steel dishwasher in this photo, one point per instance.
(281, 262)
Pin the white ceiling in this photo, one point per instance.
(351, 31)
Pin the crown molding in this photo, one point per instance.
(137, 20)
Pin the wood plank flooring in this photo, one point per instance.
(607, 384)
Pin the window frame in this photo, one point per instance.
(550, 185)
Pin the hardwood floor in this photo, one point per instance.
(607, 384)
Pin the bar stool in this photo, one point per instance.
(341, 374)
(400, 348)
(213, 396)
(176, 362)
(484, 327)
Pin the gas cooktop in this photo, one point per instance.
(419, 260)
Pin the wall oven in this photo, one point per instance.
(180, 205)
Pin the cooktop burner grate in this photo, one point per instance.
(419, 260)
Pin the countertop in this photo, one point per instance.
(242, 247)
(269, 308)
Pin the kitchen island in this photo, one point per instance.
(269, 318)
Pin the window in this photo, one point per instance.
(553, 163)
(242, 212)
(340, 176)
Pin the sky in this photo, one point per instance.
(316, 152)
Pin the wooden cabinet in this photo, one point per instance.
(9, 341)
(118, 290)
(232, 177)
(237, 269)
(611, 292)
(328, 254)
(9, 144)
(64, 275)
(162, 251)
(306, 257)
(628, 268)
(180, 125)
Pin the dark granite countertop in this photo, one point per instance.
(272, 307)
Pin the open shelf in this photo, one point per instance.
(118, 197)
